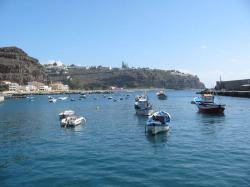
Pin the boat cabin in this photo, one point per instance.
(208, 98)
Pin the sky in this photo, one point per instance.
(208, 38)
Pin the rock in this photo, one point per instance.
(17, 66)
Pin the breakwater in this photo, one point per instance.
(238, 85)
(234, 93)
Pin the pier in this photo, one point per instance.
(234, 93)
(233, 88)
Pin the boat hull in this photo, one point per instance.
(162, 96)
(155, 129)
(213, 109)
(73, 123)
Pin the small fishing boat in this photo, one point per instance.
(158, 122)
(50, 97)
(62, 98)
(205, 104)
(83, 96)
(52, 100)
(66, 114)
(110, 97)
(142, 105)
(72, 99)
(161, 95)
(72, 121)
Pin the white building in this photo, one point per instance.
(5, 83)
(14, 87)
(44, 88)
(58, 86)
(28, 88)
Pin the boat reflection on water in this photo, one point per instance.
(76, 129)
(211, 124)
(211, 118)
(159, 139)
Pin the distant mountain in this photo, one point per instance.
(17, 66)
(103, 77)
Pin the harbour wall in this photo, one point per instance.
(234, 85)
(234, 93)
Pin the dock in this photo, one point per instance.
(245, 94)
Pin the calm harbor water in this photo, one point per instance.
(112, 149)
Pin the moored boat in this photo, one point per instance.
(72, 121)
(142, 106)
(158, 122)
(66, 114)
(62, 98)
(205, 104)
(161, 95)
(52, 100)
(83, 96)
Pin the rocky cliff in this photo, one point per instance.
(17, 66)
(103, 78)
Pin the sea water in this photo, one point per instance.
(113, 149)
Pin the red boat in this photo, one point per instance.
(206, 104)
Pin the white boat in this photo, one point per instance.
(72, 121)
(53, 100)
(142, 106)
(161, 95)
(83, 96)
(1, 98)
(50, 97)
(158, 122)
(66, 114)
(62, 98)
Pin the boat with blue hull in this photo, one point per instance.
(158, 122)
